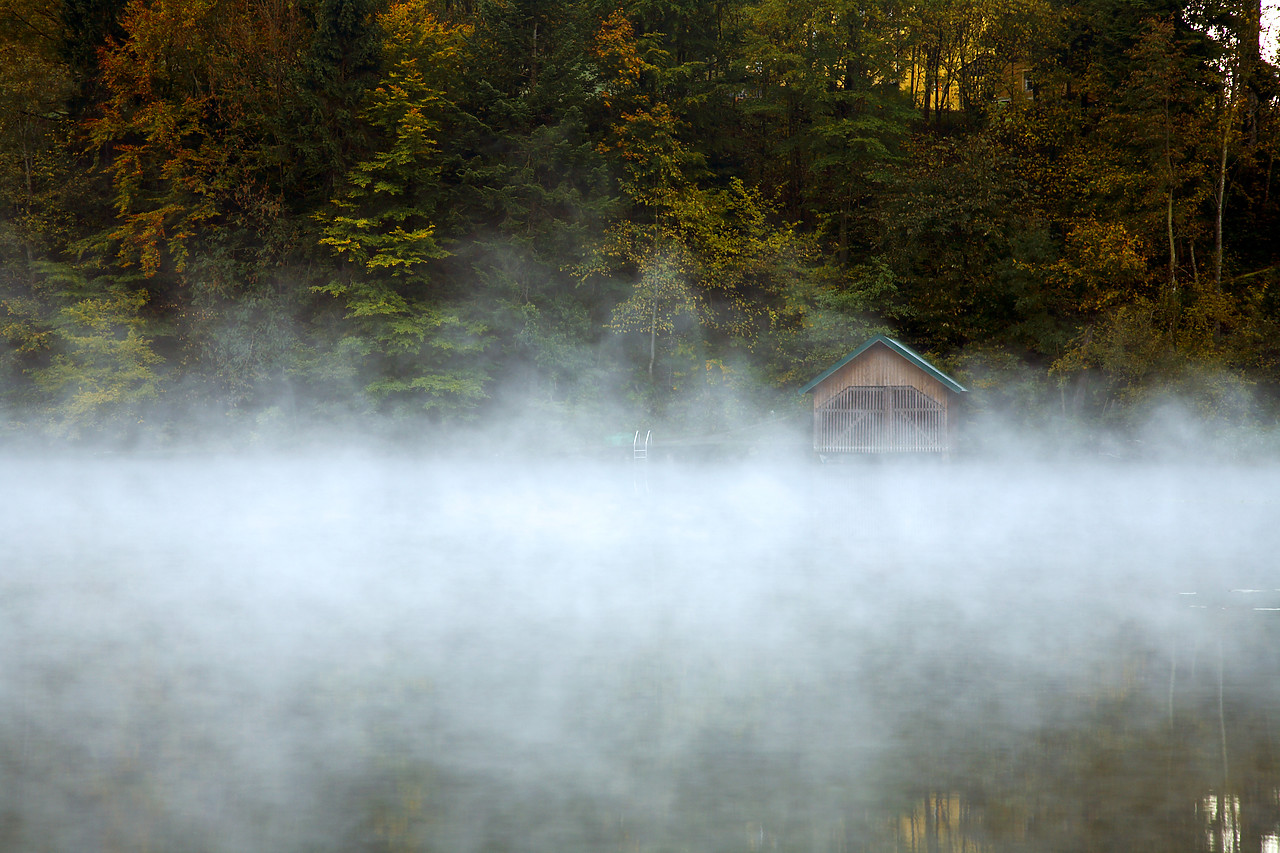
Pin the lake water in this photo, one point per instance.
(349, 651)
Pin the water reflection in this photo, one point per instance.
(1223, 821)
(949, 823)
(1222, 817)
(942, 822)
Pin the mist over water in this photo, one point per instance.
(350, 651)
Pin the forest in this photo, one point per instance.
(261, 213)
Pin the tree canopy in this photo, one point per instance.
(401, 206)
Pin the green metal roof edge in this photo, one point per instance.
(901, 349)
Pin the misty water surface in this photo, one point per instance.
(344, 651)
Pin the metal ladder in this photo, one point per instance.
(640, 451)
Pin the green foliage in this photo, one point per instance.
(1137, 367)
(338, 64)
(661, 299)
(99, 368)
(411, 353)
(826, 314)
(955, 230)
(717, 268)
(413, 345)
(384, 224)
(240, 336)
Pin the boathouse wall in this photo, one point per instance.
(878, 366)
(884, 398)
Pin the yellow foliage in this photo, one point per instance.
(1104, 265)
(616, 48)
(105, 364)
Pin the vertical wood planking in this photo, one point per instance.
(880, 419)
(878, 403)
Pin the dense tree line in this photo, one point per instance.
(280, 208)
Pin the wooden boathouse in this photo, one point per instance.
(883, 397)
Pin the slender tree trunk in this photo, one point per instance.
(28, 205)
(1172, 297)
(930, 83)
(915, 72)
(1220, 200)
(1230, 100)
(653, 339)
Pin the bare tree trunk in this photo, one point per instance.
(1172, 296)
(653, 339)
(915, 72)
(28, 168)
(1220, 199)
(930, 83)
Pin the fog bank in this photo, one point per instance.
(377, 651)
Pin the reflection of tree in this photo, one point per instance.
(1127, 759)
(669, 748)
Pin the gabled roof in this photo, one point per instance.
(901, 349)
